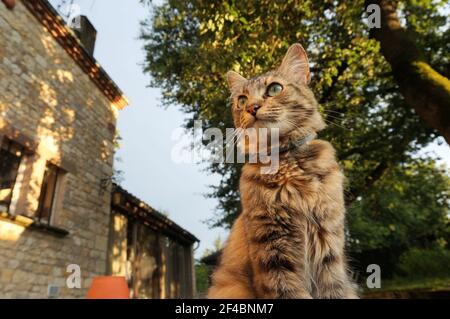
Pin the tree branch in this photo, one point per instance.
(370, 179)
(424, 89)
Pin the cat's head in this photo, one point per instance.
(277, 99)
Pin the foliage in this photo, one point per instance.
(117, 175)
(409, 207)
(217, 246)
(201, 277)
(421, 263)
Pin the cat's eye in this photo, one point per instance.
(274, 89)
(242, 101)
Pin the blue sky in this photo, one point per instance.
(146, 128)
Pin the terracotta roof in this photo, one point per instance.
(54, 23)
(128, 204)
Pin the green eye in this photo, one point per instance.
(242, 100)
(274, 89)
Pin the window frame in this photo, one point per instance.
(39, 214)
(8, 145)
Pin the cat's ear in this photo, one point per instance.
(235, 80)
(295, 64)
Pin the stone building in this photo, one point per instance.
(153, 252)
(58, 207)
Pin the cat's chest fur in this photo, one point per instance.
(298, 185)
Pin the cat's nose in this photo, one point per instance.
(252, 109)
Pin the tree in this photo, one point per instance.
(201, 277)
(217, 246)
(409, 208)
(425, 89)
(190, 46)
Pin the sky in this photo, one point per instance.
(147, 128)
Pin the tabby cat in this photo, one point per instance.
(288, 241)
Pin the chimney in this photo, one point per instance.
(86, 33)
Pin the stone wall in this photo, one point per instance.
(46, 98)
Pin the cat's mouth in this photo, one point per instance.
(260, 120)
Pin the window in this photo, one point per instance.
(48, 191)
(10, 157)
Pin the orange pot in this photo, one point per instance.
(109, 287)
